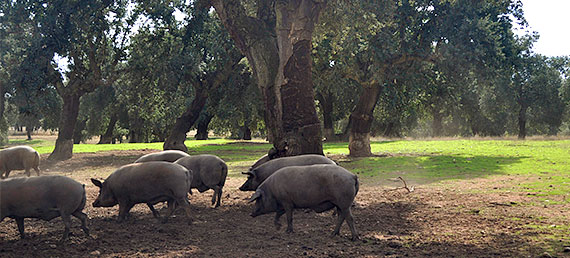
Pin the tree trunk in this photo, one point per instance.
(64, 143)
(29, 130)
(177, 135)
(3, 123)
(202, 128)
(107, 137)
(361, 118)
(437, 126)
(277, 45)
(326, 105)
(77, 135)
(522, 122)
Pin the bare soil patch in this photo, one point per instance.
(433, 220)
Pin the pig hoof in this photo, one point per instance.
(277, 226)
(289, 230)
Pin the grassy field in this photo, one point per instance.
(544, 163)
(532, 175)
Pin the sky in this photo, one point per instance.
(551, 19)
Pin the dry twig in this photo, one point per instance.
(410, 189)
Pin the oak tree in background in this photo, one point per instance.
(276, 39)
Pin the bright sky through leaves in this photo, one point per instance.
(550, 18)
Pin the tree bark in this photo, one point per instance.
(29, 130)
(77, 131)
(326, 105)
(177, 135)
(64, 143)
(361, 119)
(522, 122)
(437, 126)
(107, 137)
(277, 45)
(202, 128)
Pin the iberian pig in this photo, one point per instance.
(257, 175)
(208, 172)
(316, 187)
(43, 197)
(149, 182)
(19, 158)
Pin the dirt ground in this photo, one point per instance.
(453, 220)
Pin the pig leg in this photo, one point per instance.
(183, 202)
(171, 208)
(28, 172)
(66, 218)
(7, 173)
(289, 214)
(37, 171)
(218, 194)
(278, 215)
(350, 222)
(341, 216)
(154, 212)
(20, 222)
(124, 209)
(83, 217)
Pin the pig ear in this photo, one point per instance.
(96, 182)
(256, 195)
(249, 173)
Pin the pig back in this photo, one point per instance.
(41, 197)
(143, 182)
(167, 155)
(270, 167)
(308, 186)
(207, 170)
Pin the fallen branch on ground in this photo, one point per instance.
(410, 189)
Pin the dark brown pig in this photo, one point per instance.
(44, 197)
(208, 172)
(257, 175)
(149, 182)
(167, 155)
(316, 187)
(19, 158)
(260, 161)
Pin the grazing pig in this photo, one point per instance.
(19, 158)
(208, 172)
(44, 197)
(257, 175)
(149, 182)
(167, 155)
(317, 187)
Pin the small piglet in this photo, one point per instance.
(44, 197)
(19, 158)
(316, 187)
(149, 182)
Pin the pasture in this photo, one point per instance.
(479, 198)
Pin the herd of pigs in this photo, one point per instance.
(281, 185)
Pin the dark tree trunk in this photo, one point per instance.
(277, 45)
(522, 122)
(437, 126)
(64, 143)
(361, 118)
(326, 105)
(77, 135)
(202, 128)
(177, 135)
(107, 137)
(246, 133)
(29, 130)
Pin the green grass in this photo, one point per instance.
(545, 163)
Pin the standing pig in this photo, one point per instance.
(149, 182)
(260, 161)
(317, 187)
(257, 175)
(45, 197)
(208, 172)
(167, 155)
(19, 158)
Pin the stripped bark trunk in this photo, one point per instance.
(361, 119)
(64, 143)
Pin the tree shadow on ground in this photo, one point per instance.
(426, 169)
